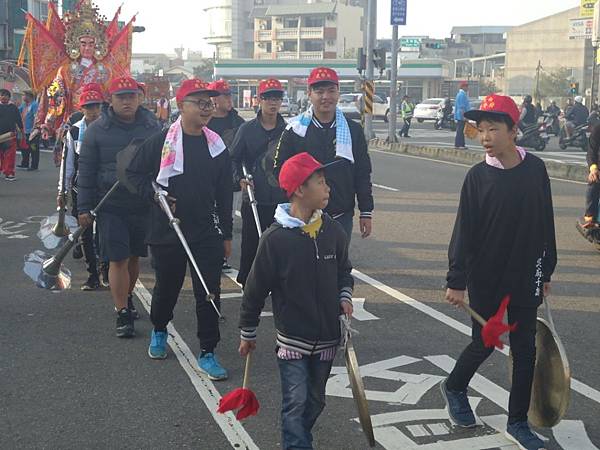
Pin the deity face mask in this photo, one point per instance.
(87, 45)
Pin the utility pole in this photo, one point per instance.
(393, 88)
(368, 86)
(397, 17)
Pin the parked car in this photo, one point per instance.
(428, 109)
(288, 108)
(349, 105)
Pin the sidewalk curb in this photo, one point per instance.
(555, 169)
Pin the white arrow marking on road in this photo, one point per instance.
(572, 434)
(576, 385)
(360, 313)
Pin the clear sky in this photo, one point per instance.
(172, 23)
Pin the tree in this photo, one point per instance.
(205, 69)
(555, 83)
(488, 88)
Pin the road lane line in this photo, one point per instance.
(571, 433)
(449, 163)
(386, 188)
(231, 427)
(577, 386)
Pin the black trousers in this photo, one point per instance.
(32, 150)
(459, 139)
(522, 344)
(406, 127)
(266, 215)
(88, 241)
(170, 265)
(591, 199)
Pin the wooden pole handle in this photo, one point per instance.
(246, 370)
(474, 315)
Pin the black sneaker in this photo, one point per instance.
(92, 283)
(134, 312)
(104, 274)
(78, 251)
(125, 327)
(226, 266)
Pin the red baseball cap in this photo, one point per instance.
(193, 86)
(92, 87)
(90, 97)
(142, 86)
(499, 105)
(123, 85)
(297, 170)
(464, 84)
(221, 86)
(269, 85)
(320, 74)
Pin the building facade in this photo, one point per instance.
(307, 31)
(483, 41)
(546, 41)
(13, 23)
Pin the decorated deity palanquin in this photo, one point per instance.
(67, 53)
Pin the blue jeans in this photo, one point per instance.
(302, 398)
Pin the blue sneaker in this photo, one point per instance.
(458, 407)
(158, 345)
(209, 365)
(521, 434)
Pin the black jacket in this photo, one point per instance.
(594, 147)
(504, 239)
(345, 179)
(307, 279)
(578, 114)
(227, 126)
(103, 139)
(203, 192)
(255, 147)
(10, 118)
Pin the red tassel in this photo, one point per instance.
(495, 328)
(241, 398)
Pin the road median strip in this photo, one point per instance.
(562, 170)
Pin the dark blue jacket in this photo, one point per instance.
(104, 138)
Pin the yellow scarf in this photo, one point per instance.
(314, 225)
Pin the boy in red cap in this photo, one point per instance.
(325, 133)
(90, 103)
(302, 261)
(503, 244)
(254, 146)
(122, 222)
(191, 162)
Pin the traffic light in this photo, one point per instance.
(361, 60)
(379, 58)
(574, 88)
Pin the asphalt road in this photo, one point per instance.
(67, 382)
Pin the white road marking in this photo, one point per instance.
(231, 427)
(360, 313)
(438, 429)
(386, 188)
(576, 385)
(417, 430)
(572, 434)
(17, 236)
(231, 295)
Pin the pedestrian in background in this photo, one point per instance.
(10, 122)
(31, 149)
(461, 106)
(407, 109)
